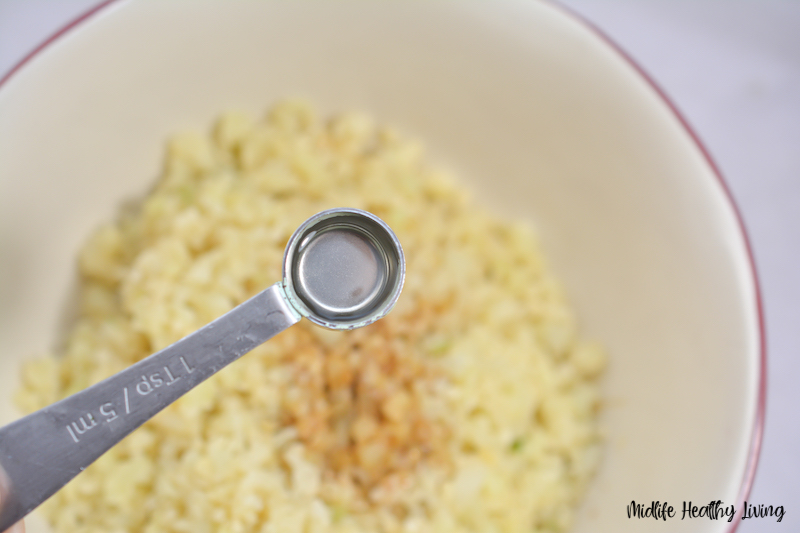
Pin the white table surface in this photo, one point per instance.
(733, 68)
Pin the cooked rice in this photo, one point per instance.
(471, 407)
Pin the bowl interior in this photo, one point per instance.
(540, 116)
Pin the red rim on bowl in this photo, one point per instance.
(758, 422)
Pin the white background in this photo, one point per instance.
(733, 69)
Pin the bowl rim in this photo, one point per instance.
(756, 437)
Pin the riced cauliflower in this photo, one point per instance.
(471, 408)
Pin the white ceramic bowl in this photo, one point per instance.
(536, 110)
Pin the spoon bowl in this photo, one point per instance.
(343, 269)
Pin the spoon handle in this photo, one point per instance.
(41, 452)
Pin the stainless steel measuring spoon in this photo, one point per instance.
(343, 269)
